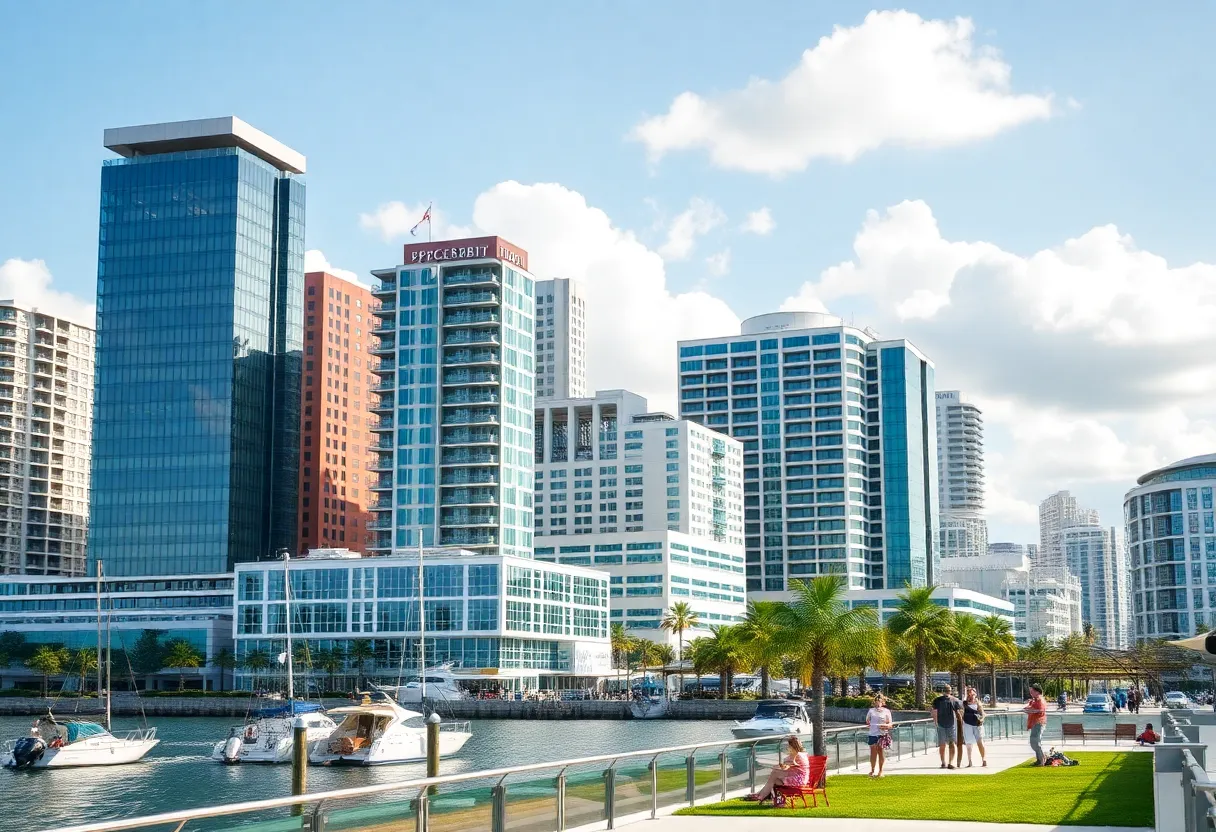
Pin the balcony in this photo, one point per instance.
(385, 405)
(468, 397)
(383, 386)
(471, 277)
(382, 484)
(463, 457)
(462, 436)
(470, 497)
(382, 425)
(384, 464)
(457, 357)
(465, 517)
(471, 299)
(471, 319)
(467, 477)
(385, 367)
(457, 377)
(384, 348)
(389, 288)
(471, 336)
(384, 328)
(481, 416)
(379, 525)
(466, 538)
(386, 306)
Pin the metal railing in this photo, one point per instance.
(609, 789)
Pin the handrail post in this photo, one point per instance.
(561, 801)
(838, 761)
(610, 795)
(422, 812)
(316, 821)
(498, 807)
(654, 787)
(856, 753)
(690, 771)
(751, 768)
(722, 772)
(899, 743)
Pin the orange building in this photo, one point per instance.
(337, 399)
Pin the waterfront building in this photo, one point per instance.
(46, 437)
(142, 615)
(199, 304)
(956, 599)
(335, 413)
(561, 339)
(983, 573)
(1171, 538)
(1046, 603)
(454, 426)
(499, 618)
(1056, 513)
(960, 476)
(839, 450)
(1095, 554)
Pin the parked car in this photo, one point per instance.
(1177, 699)
(1098, 703)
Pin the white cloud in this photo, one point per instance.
(719, 264)
(895, 79)
(315, 261)
(393, 220)
(701, 217)
(28, 283)
(759, 222)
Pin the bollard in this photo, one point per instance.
(432, 748)
(299, 761)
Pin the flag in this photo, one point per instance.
(426, 218)
(283, 657)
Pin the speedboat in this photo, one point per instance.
(775, 718)
(381, 733)
(268, 734)
(436, 683)
(74, 743)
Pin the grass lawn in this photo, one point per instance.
(1106, 789)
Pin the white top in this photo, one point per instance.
(876, 717)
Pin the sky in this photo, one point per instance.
(1022, 191)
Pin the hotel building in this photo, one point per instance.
(46, 437)
(561, 339)
(960, 476)
(1097, 555)
(839, 448)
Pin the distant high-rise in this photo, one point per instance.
(1094, 555)
(1056, 513)
(960, 476)
(561, 339)
(46, 419)
(338, 395)
(200, 297)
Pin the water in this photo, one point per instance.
(179, 773)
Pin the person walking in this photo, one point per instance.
(973, 726)
(1036, 721)
(945, 709)
(1133, 701)
(878, 718)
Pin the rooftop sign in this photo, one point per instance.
(475, 248)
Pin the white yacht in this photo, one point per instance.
(267, 736)
(437, 683)
(775, 718)
(72, 743)
(380, 733)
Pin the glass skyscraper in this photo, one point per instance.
(199, 308)
(839, 448)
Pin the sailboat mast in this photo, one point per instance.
(98, 632)
(291, 688)
(421, 628)
(109, 661)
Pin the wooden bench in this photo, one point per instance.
(1071, 729)
(1125, 731)
(816, 783)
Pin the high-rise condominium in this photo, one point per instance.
(839, 447)
(46, 419)
(561, 339)
(1096, 556)
(338, 396)
(456, 389)
(200, 295)
(1056, 513)
(960, 476)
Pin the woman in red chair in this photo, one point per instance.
(793, 772)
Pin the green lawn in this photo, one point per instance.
(1106, 789)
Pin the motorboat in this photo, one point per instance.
(268, 734)
(775, 718)
(74, 743)
(649, 707)
(375, 733)
(437, 683)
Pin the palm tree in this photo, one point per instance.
(1089, 633)
(181, 654)
(760, 629)
(665, 655)
(919, 623)
(997, 646)
(47, 661)
(360, 652)
(254, 661)
(224, 659)
(332, 662)
(85, 660)
(680, 617)
(698, 657)
(726, 652)
(621, 644)
(962, 647)
(818, 627)
(874, 653)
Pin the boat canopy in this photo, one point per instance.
(291, 709)
(778, 709)
(84, 730)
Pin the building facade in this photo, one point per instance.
(1095, 555)
(46, 438)
(1056, 513)
(498, 618)
(454, 428)
(336, 439)
(956, 599)
(199, 304)
(960, 476)
(561, 339)
(1171, 538)
(839, 448)
(1046, 603)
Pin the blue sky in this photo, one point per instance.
(413, 102)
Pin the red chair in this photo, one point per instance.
(816, 782)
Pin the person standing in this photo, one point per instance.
(1036, 721)
(945, 709)
(878, 718)
(973, 726)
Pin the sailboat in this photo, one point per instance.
(72, 743)
(268, 733)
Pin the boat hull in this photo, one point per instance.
(88, 753)
(743, 731)
(410, 748)
(274, 749)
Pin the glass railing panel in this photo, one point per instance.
(707, 774)
(242, 823)
(585, 794)
(531, 804)
(389, 811)
(738, 774)
(672, 773)
(633, 789)
(461, 810)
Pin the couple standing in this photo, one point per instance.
(949, 713)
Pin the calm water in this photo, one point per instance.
(178, 774)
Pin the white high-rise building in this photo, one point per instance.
(1094, 554)
(46, 440)
(1056, 513)
(1046, 603)
(963, 532)
(561, 339)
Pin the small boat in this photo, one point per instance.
(649, 707)
(437, 683)
(775, 718)
(382, 733)
(73, 743)
(267, 735)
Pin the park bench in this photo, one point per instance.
(1125, 731)
(816, 782)
(1076, 729)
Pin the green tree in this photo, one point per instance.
(818, 627)
(761, 628)
(12, 644)
(921, 624)
(331, 661)
(961, 649)
(1089, 633)
(997, 646)
(361, 652)
(871, 652)
(698, 657)
(255, 661)
(85, 661)
(679, 618)
(48, 660)
(148, 654)
(726, 652)
(180, 654)
(224, 659)
(621, 645)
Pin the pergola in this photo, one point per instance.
(1143, 664)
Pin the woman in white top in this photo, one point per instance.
(878, 719)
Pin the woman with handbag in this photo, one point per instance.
(878, 718)
(973, 726)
